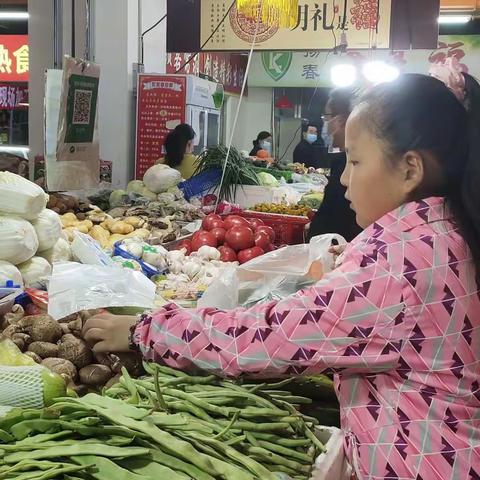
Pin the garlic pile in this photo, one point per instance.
(188, 276)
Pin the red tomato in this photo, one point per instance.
(187, 244)
(202, 238)
(219, 234)
(262, 240)
(268, 230)
(256, 222)
(240, 238)
(235, 221)
(227, 254)
(225, 244)
(217, 224)
(269, 248)
(207, 223)
(247, 255)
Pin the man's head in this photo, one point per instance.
(310, 133)
(337, 111)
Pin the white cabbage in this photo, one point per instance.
(60, 252)
(35, 271)
(10, 272)
(160, 178)
(48, 228)
(18, 240)
(20, 197)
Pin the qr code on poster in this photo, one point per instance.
(82, 104)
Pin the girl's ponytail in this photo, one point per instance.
(468, 212)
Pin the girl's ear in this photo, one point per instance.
(413, 172)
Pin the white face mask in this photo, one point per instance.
(326, 137)
(264, 145)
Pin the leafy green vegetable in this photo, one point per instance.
(237, 172)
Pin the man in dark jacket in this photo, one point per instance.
(311, 150)
(335, 214)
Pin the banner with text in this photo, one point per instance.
(226, 68)
(14, 59)
(312, 68)
(320, 25)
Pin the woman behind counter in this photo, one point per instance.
(263, 142)
(179, 150)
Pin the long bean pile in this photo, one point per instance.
(167, 425)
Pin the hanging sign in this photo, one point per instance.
(13, 96)
(161, 105)
(320, 25)
(14, 60)
(226, 68)
(312, 68)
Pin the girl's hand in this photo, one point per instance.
(316, 271)
(107, 333)
(337, 250)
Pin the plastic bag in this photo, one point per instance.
(272, 276)
(75, 287)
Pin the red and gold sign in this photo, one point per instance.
(14, 59)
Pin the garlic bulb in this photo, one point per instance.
(208, 253)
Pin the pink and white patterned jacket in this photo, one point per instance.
(399, 323)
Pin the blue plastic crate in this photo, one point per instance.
(201, 184)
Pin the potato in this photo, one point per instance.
(76, 350)
(135, 222)
(121, 228)
(41, 328)
(62, 367)
(68, 219)
(44, 349)
(100, 235)
(114, 239)
(141, 233)
(95, 375)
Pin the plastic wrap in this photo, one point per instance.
(74, 287)
(272, 276)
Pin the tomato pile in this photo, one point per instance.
(235, 237)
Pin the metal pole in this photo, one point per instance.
(73, 28)
(140, 31)
(57, 34)
(87, 31)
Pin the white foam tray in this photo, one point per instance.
(331, 465)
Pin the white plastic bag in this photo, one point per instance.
(272, 276)
(74, 287)
(89, 252)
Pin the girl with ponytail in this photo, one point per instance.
(398, 320)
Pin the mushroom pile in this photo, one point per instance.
(60, 347)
